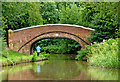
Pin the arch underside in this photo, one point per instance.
(32, 45)
(28, 46)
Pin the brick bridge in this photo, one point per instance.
(23, 40)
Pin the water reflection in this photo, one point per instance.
(103, 73)
(38, 69)
(58, 70)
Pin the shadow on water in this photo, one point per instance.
(58, 68)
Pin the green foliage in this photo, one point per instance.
(46, 55)
(16, 15)
(2, 46)
(104, 54)
(9, 57)
(70, 15)
(42, 55)
(13, 57)
(104, 21)
(49, 12)
(58, 46)
(82, 54)
(87, 13)
(34, 58)
(35, 17)
(102, 16)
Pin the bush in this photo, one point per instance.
(34, 58)
(82, 54)
(46, 55)
(104, 54)
(42, 55)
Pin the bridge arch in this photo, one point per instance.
(33, 44)
(56, 34)
(22, 40)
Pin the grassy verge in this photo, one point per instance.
(12, 57)
(103, 54)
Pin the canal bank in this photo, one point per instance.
(57, 67)
(57, 70)
(14, 58)
(10, 58)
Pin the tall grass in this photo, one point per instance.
(104, 54)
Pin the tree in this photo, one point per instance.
(49, 12)
(104, 21)
(71, 15)
(16, 15)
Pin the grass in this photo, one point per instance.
(104, 54)
(12, 57)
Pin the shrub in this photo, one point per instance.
(34, 58)
(42, 55)
(104, 54)
(82, 54)
(47, 55)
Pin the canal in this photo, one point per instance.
(58, 67)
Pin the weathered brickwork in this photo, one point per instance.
(23, 40)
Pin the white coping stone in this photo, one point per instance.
(53, 25)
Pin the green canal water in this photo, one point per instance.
(58, 67)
